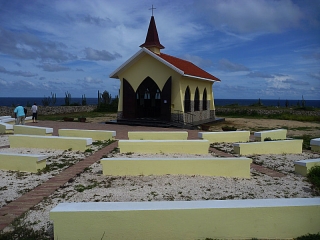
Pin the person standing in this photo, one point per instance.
(34, 110)
(19, 115)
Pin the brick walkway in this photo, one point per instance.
(24, 203)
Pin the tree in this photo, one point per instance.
(106, 97)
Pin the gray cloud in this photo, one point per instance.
(24, 45)
(53, 68)
(252, 16)
(259, 75)
(200, 62)
(228, 66)
(101, 22)
(315, 75)
(103, 55)
(17, 73)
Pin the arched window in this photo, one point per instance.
(204, 100)
(196, 100)
(158, 95)
(187, 105)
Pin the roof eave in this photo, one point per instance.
(206, 79)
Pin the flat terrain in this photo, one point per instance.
(91, 185)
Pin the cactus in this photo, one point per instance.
(53, 98)
(67, 99)
(84, 100)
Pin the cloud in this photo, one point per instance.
(17, 73)
(228, 66)
(25, 45)
(97, 21)
(252, 16)
(92, 80)
(259, 75)
(53, 67)
(200, 62)
(103, 55)
(315, 75)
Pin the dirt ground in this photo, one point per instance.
(295, 128)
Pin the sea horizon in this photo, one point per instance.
(28, 101)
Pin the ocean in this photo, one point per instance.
(28, 101)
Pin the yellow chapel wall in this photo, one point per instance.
(193, 83)
(159, 72)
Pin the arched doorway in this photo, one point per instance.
(148, 97)
(187, 100)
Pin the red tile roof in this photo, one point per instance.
(187, 67)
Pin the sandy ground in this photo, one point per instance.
(93, 186)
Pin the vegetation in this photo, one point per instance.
(313, 177)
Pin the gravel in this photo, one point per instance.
(92, 186)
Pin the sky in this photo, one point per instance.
(268, 49)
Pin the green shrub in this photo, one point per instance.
(309, 237)
(314, 178)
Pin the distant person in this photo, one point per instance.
(19, 115)
(34, 110)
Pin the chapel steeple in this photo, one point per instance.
(152, 40)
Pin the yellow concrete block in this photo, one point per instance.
(22, 162)
(158, 135)
(6, 128)
(97, 135)
(32, 130)
(49, 142)
(315, 144)
(225, 167)
(228, 137)
(303, 166)
(277, 134)
(269, 147)
(164, 146)
(187, 220)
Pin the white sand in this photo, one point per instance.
(152, 188)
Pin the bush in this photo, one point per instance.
(314, 178)
(309, 237)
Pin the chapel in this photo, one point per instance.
(158, 88)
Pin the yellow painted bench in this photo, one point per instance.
(49, 142)
(182, 220)
(158, 135)
(164, 146)
(22, 162)
(276, 134)
(303, 166)
(269, 147)
(94, 134)
(4, 117)
(32, 130)
(224, 167)
(315, 144)
(228, 137)
(6, 128)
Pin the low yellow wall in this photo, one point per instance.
(229, 137)
(32, 130)
(163, 135)
(49, 142)
(225, 167)
(6, 128)
(187, 220)
(22, 162)
(303, 166)
(276, 134)
(164, 146)
(97, 135)
(268, 147)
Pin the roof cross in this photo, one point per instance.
(152, 9)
